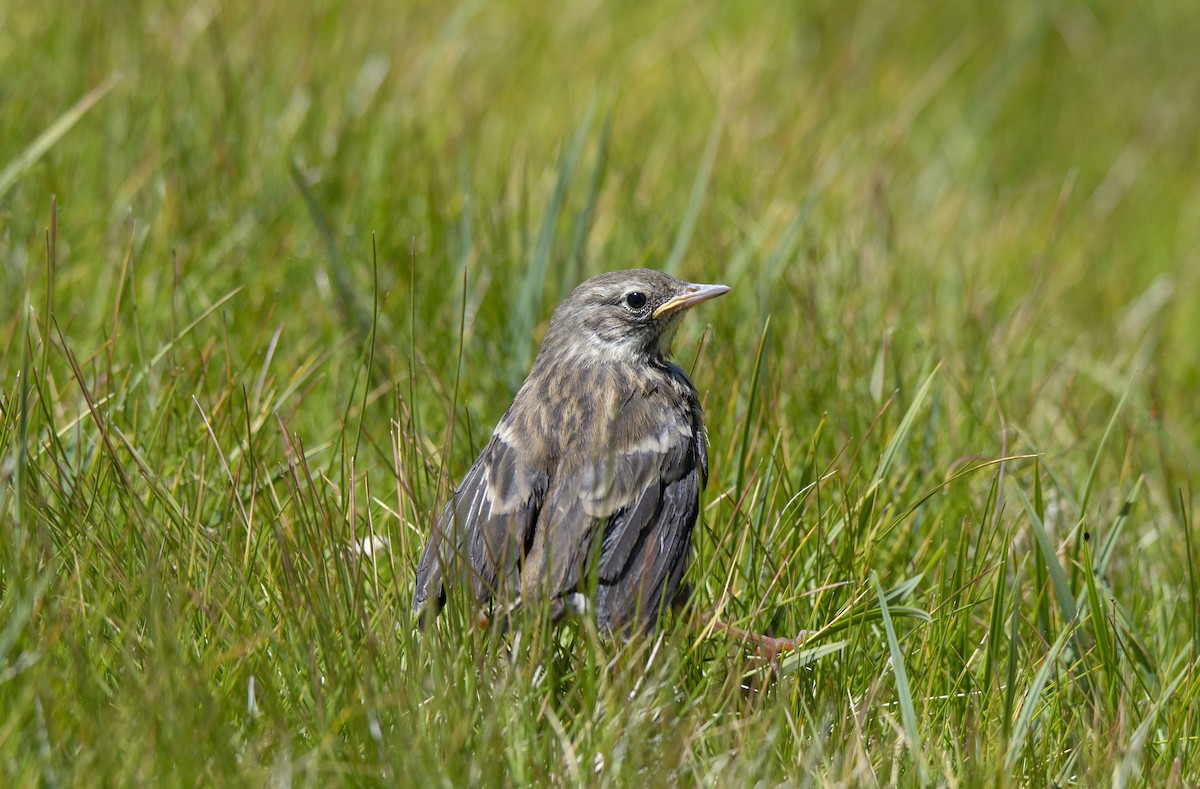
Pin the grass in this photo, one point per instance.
(269, 275)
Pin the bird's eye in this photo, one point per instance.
(635, 300)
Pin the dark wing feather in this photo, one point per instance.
(650, 579)
(484, 527)
(648, 545)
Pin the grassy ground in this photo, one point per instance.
(269, 274)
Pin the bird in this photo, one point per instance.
(587, 492)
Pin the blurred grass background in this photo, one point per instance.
(269, 274)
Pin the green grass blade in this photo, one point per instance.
(806, 657)
(533, 284)
(21, 605)
(1100, 629)
(748, 417)
(908, 714)
(691, 214)
(1127, 770)
(1014, 652)
(1108, 430)
(1033, 697)
(586, 217)
(996, 628)
(55, 132)
(1058, 577)
(903, 429)
(1108, 546)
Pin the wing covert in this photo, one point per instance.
(483, 529)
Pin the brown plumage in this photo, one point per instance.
(587, 491)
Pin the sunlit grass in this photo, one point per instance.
(269, 275)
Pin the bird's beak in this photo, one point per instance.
(690, 297)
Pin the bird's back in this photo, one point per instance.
(590, 482)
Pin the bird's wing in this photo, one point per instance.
(647, 547)
(483, 529)
(635, 502)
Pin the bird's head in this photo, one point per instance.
(624, 315)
